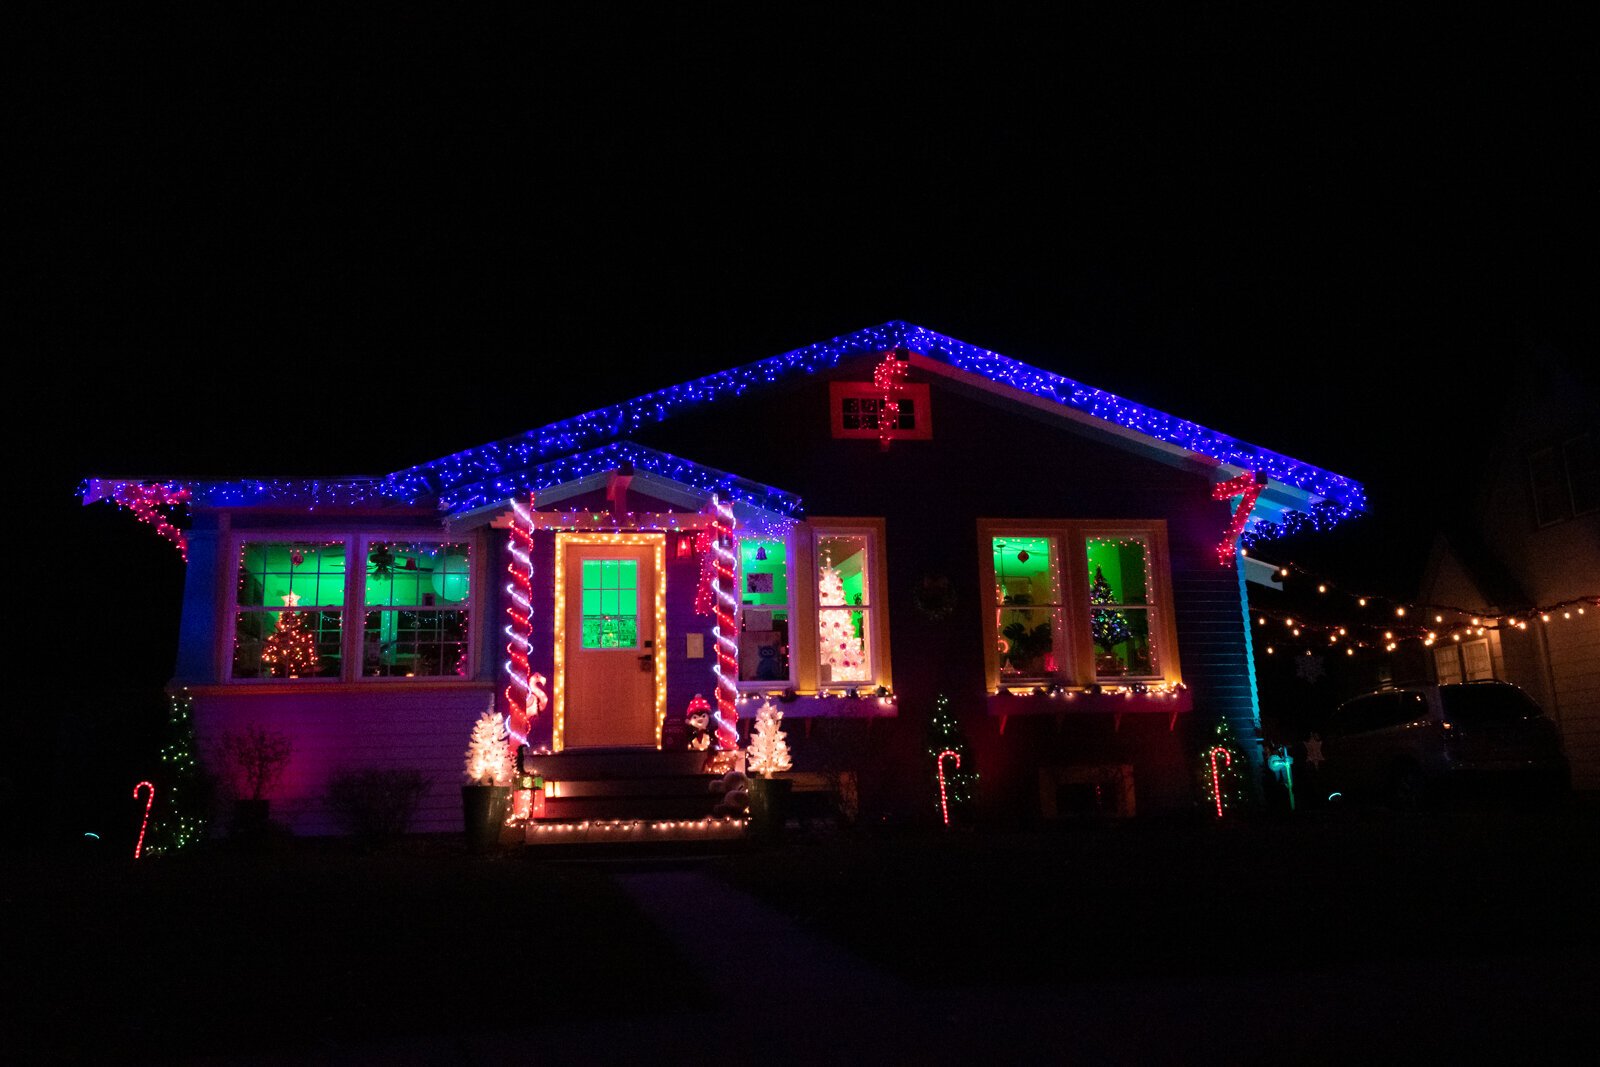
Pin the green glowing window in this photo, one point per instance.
(1119, 607)
(610, 603)
(1027, 605)
(289, 599)
(764, 614)
(416, 620)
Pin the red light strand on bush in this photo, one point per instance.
(944, 800)
(519, 670)
(705, 598)
(1248, 486)
(148, 804)
(1216, 782)
(727, 664)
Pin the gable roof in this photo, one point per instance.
(1295, 488)
(1297, 494)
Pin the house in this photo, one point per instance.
(1523, 558)
(852, 530)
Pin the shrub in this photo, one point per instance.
(376, 805)
(253, 759)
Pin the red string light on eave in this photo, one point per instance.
(887, 378)
(145, 500)
(1248, 486)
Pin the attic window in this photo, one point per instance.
(855, 408)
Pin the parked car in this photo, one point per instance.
(1411, 744)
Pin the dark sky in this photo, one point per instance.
(259, 245)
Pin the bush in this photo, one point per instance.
(376, 805)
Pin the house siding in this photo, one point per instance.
(391, 727)
(992, 460)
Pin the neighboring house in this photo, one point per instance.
(1530, 545)
(1049, 556)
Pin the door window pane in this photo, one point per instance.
(764, 611)
(610, 603)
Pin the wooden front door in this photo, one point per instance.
(611, 651)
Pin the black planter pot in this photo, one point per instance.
(769, 806)
(483, 809)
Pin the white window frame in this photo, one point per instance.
(357, 544)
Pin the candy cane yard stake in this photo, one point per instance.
(1216, 783)
(149, 802)
(944, 803)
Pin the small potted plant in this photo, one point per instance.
(254, 759)
(766, 755)
(486, 797)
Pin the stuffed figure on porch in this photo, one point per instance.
(699, 719)
(735, 790)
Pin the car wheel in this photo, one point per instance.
(1408, 789)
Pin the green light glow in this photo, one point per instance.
(610, 603)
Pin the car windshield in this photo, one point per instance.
(1486, 703)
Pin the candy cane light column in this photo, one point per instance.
(524, 696)
(725, 606)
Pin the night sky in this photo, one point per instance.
(258, 246)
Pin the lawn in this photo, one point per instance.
(1186, 899)
(311, 947)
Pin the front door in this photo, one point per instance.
(610, 642)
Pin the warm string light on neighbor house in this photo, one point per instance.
(658, 545)
(1370, 620)
(725, 630)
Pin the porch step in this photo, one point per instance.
(695, 805)
(697, 785)
(633, 832)
(592, 764)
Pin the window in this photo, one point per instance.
(1466, 661)
(416, 610)
(844, 594)
(765, 611)
(292, 598)
(289, 599)
(610, 603)
(855, 407)
(1027, 606)
(1565, 480)
(1077, 602)
(1119, 611)
(1380, 711)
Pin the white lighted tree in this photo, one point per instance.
(767, 752)
(489, 754)
(837, 643)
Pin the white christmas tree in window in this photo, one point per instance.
(489, 755)
(767, 752)
(837, 643)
